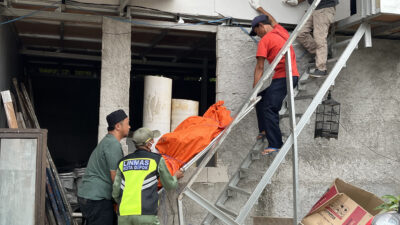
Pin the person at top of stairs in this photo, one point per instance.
(273, 38)
(318, 24)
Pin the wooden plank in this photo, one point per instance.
(22, 104)
(49, 212)
(56, 191)
(29, 105)
(20, 120)
(52, 198)
(9, 108)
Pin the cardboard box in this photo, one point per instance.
(343, 204)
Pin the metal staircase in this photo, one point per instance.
(218, 210)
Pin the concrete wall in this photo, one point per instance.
(366, 153)
(9, 62)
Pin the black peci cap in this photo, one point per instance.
(114, 118)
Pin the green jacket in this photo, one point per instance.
(96, 183)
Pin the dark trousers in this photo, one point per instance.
(268, 110)
(98, 212)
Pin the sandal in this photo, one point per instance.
(260, 136)
(272, 150)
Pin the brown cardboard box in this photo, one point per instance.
(343, 204)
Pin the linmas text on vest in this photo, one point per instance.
(136, 164)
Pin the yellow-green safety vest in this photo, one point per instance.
(139, 183)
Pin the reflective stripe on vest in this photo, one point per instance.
(139, 174)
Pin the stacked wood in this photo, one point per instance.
(58, 210)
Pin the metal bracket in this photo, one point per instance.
(368, 36)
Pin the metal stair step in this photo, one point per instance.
(280, 157)
(341, 43)
(329, 61)
(228, 211)
(239, 190)
(302, 97)
(286, 115)
(251, 171)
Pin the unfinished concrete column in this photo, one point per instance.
(115, 70)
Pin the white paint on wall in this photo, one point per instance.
(239, 9)
(390, 6)
(192, 7)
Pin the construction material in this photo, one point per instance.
(22, 104)
(182, 109)
(29, 106)
(53, 202)
(9, 108)
(343, 204)
(52, 175)
(69, 182)
(157, 103)
(57, 197)
(49, 212)
(20, 120)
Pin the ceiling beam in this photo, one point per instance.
(84, 51)
(122, 6)
(98, 58)
(382, 30)
(135, 30)
(95, 40)
(98, 19)
(53, 15)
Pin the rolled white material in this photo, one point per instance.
(157, 103)
(182, 109)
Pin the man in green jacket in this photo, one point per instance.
(94, 193)
(135, 185)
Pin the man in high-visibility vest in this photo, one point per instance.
(135, 186)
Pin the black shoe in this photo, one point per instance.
(318, 73)
(312, 59)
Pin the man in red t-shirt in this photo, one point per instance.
(273, 38)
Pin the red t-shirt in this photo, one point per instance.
(270, 45)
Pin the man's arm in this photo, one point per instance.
(256, 5)
(259, 70)
(270, 17)
(112, 174)
(168, 181)
(113, 155)
(116, 192)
